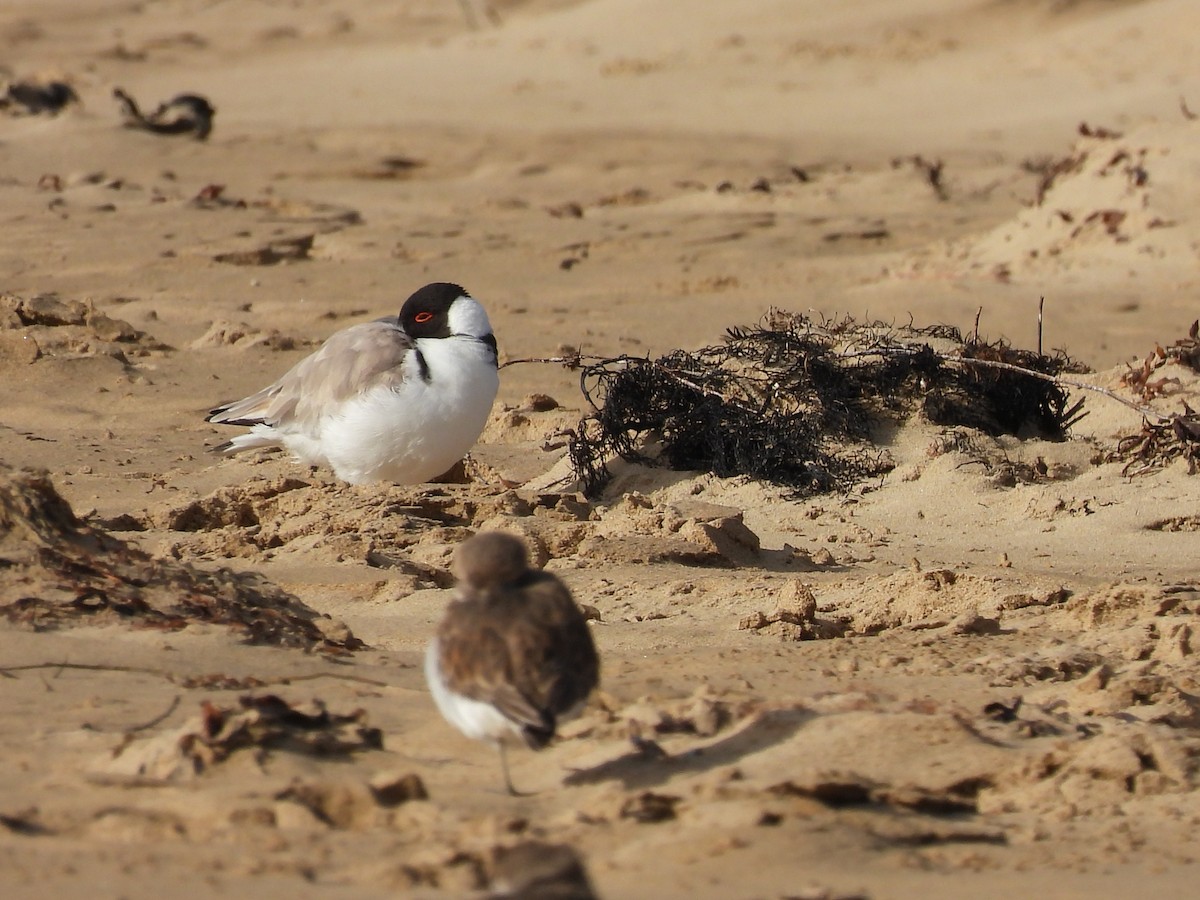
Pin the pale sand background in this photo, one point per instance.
(635, 112)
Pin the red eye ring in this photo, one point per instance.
(422, 317)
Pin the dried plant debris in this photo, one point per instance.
(259, 723)
(1176, 436)
(1161, 442)
(31, 98)
(188, 114)
(1184, 352)
(57, 571)
(795, 401)
(279, 250)
(843, 789)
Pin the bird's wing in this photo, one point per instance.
(351, 361)
(531, 656)
(477, 660)
(553, 629)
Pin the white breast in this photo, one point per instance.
(478, 721)
(419, 429)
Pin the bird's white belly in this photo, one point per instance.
(414, 432)
(478, 721)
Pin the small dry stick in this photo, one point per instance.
(145, 726)
(1041, 306)
(1055, 379)
(571, 362)
(169, 676)
(707, 392)
(90, 667)
(996, 364)
(339, 676)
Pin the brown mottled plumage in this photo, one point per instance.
(513, 655)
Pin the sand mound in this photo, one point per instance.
(226, 333)
(407, 534)
(45, 326)
(1116, 202)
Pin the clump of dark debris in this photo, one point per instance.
(268, 721)
(186, 114)
(57, 571)
(33, 97)
(796, 401)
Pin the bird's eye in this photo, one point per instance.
(422, 317)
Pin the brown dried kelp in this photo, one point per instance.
(1168, 437)
(1161, 442)
(795, 401)
(1185, 352)
(260, 724)
(56, 570)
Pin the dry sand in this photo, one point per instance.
(627, 177)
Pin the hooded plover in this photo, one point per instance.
(398, 399)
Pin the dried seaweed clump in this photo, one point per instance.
(1172, 437)
(1159, 443)
(56, 571)
(1184, 352)
(795, 402)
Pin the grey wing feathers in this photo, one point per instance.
(253, 410)
(345, 364)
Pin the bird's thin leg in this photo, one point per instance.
(512, 791)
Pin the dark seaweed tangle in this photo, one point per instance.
(797, 402)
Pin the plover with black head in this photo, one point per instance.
(513, 655)
(398, 399)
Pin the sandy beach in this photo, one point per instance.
(974, 675)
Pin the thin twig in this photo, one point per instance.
(340, 676)
(571, 362)
(1059, 380)
(707, 392)
(169, 676)
(116, 779)
(668, 372)
(1032, 373)
(145, 726)
(1041, 306)
(89, 667)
